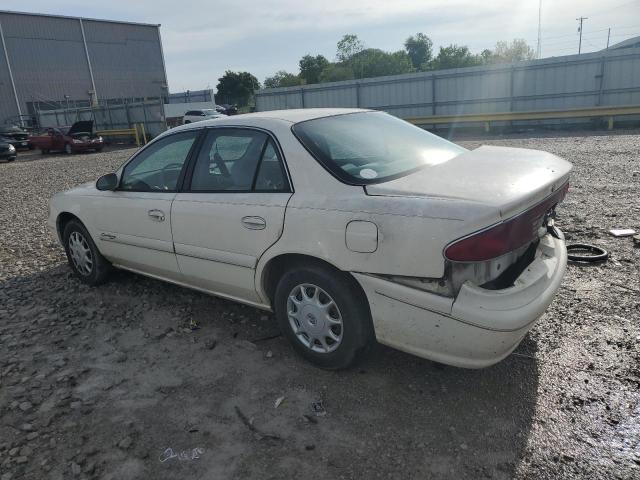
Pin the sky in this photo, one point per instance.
(203, 38)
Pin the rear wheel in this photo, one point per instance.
(324, 315)
(84, 258)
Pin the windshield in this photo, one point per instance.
(209, 112)
(372, 147)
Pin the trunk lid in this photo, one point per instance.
(508, 179)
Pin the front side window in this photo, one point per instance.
(157, 168)
(372, 147)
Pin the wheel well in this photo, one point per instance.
(277, 266)
(62, 221)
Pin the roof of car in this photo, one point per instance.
(301, 114)
(288, 116)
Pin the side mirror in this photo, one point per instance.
(107, 182)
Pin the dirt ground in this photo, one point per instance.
(138, 379)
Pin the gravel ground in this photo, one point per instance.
(115, 382)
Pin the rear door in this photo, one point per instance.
(231, 211)
(134, 221)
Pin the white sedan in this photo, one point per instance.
(350, 225)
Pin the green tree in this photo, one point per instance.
(373, 62)
(236, 87)
(336, 72)
(311, 68)
(455, 56)
(420, 51)
(348, 46)
(282, 79)
(516, 51)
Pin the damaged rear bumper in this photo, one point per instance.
(479, 327)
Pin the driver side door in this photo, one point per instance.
(133, 222)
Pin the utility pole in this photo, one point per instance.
(539, 48)
(608, 37)
(581, 19)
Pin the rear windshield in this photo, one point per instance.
(372, 147)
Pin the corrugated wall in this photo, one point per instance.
(48, 60)
(548, 84)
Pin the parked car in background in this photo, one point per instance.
(7, 150)
(199, 115)
(17, 136)
(351, 225)
(77, 138)
(227, 109)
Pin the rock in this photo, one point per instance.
(75, 468)
(210, 343)
(120, 357)
(22, 460)
(24, 406)
(246, 344)
(32, 436)
(125, 443)
(25, 451)
(269, 354)
(90, 468)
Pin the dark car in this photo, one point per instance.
(7, 150)
(18, 137)
(77, 138)
(227, 109)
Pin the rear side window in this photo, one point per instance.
(238, 160)
(270, 175)
(372, 147)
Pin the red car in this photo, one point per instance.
(77, 138)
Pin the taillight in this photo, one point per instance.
(506, 236)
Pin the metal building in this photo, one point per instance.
(51, 61)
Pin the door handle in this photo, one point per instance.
(157, 215)
(254, 223)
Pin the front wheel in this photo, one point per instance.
(324, 314)
(85, 260)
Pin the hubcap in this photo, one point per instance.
(80, 253)
(315, 318)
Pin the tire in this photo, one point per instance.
(11, 159)
(67, 149)
(187, 122)
(44, 151)
(76, 240)
(355, 332)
